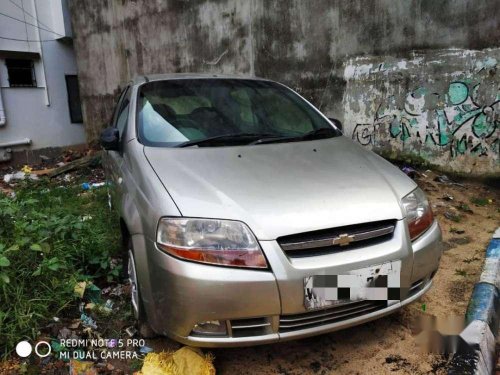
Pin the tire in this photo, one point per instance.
(143, 326)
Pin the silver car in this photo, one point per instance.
(248, 218)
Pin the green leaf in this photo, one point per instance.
(45, 247)
(37, 272)
(4, 278)
(13, 248)
(53, 266)
(4, 262)
(36, 247)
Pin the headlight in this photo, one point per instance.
(418, 213)
(221, 242)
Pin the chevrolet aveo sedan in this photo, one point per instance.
(248, 217)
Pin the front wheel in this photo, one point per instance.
(137, 306)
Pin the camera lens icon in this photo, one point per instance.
(24, 349)
(44, 353)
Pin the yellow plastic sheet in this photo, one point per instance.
(185, 361)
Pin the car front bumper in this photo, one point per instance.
(178, 294)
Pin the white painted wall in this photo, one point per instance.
(40, 113)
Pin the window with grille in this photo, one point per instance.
(21, 72)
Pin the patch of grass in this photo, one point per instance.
(50, 238)
(135, 365)
(479, 201)
(465, 208)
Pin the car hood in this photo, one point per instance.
(283, 188)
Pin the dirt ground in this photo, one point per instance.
(387, 345)
(468, 212)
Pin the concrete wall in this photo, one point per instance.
(39, 113)
(442, 106)
(309, 45)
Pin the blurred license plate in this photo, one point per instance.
(376, 283)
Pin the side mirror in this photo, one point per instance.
(110, 139)
(337, 123)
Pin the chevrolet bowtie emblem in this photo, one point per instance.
(343, 240)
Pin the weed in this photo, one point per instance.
(460, 272)
(470, 260)
(45, 248)
(453, 217)
(479, 201)
(135, 365)
(465, 208)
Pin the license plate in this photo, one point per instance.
(375, 283)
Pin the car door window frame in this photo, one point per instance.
(123, 104)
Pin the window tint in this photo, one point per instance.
(21, 72)
(175, 111)
(75, 107)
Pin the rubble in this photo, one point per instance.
(82, 367)
(95, 185)
(451, 216)
(443, 179)
(185, 361)
(20, 175)
(131, 331)
(86, 161)
(410, 172)
(87, 321)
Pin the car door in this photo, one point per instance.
(114, 159)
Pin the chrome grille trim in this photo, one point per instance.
(250, 326)
(326, 316)
(360, 236)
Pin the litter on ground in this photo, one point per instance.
(185, 361)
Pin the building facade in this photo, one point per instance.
(39, 95)
(414, 79)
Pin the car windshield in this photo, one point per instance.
(221, 112)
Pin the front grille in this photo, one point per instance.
(332, 240)
(250, 327)
(289, 323)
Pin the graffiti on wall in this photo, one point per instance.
(456, 121)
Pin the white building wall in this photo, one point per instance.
(39, 113)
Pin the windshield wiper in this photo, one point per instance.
(315, 134)
(320, 133)
(222, 137)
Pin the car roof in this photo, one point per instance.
(171, 76)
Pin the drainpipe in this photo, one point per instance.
(47, 97)
(6, 151)
(21, 142)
